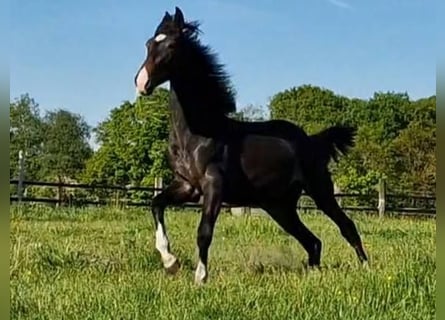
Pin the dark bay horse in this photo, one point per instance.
(265, 164)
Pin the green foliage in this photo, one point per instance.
(54, 146)
(387, 113)
(395, 138)
(102, 264)
(66, 146)
(251, 113)
(26, 134)
(356, 180)
(414, 149)
(311, 107)
(133, 143)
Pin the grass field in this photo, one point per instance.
(101, 264)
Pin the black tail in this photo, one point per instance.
(332, 142)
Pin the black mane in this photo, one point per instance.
(203, 63)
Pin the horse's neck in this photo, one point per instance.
(192, 109)
(178, 120)
(180, 130)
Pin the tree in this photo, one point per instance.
(388, 113)
(133, 143)
(65, 148)
(395, 137)
(251, 113)
(379, 120)
(414, 149)
(26, 134)
(313, 108)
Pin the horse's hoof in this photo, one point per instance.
(311, 266)
(200, 282)
(173, 268)
(201, 274)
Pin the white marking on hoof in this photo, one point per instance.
(162, 246)
(160, 37)
(172, 268)
(201, 273)
(161, 239)
(169, 261)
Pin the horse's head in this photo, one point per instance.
(162, 52)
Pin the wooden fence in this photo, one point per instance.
(384, 202)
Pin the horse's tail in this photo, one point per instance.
(332, 142)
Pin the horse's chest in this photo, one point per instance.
(184, 164)
(191, 160)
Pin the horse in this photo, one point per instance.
(215, 157)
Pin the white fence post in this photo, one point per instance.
(382, 197)
(21, 177)
(158, 185)
(337, 191)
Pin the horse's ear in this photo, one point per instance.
(179, 18)
(167, 17)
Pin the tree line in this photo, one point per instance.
(396, 139)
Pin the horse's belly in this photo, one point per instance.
(265, 168)
(269, 162)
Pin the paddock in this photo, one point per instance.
(101, 263)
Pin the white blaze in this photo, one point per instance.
(142, 79)
(160, 37)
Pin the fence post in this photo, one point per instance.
(158, 185)
(336, 192)
(21, 176)
(382, 197)
(59, 192)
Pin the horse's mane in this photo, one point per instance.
(215, 82)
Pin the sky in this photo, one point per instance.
(83, 55)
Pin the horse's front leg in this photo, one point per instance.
(212, 191)
(176, 193)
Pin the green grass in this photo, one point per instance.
(101, 264)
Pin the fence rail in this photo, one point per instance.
(381, 198)
(82, 185)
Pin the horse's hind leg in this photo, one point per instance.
(321, 191)
(285, 215)
(175, 193)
